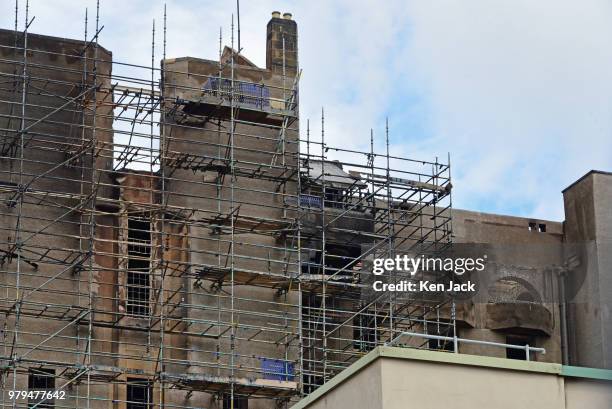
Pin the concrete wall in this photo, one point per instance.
(523, 257)
(431, 385)
(579, 391)
(364, 390)
(588, 224)
(397, 378)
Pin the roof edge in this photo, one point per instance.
(585, 372)
(589, 173)
(55, 38)
(451, 358)
(356, 367)
(470, 360)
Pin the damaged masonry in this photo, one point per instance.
(173, 239)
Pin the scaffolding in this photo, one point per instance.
(170, 240)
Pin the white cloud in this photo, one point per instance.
(519, 92)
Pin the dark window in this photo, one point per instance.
(542, 228)
(334, 197)
(41, 380)
(139, 394)
(520, 340)
(311, 318)
(443, 330)
(138, 276)
(240, 402)
(311, 262)
(532, 226)
(341, 260)
(312, 382)
(365, 333)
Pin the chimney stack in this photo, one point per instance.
(279, 29)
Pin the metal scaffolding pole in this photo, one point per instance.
(168, 232)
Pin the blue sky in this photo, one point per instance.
(518, 91)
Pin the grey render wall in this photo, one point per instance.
(588, 222)
(525, 257)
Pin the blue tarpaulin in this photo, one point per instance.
(257, 95)
(310, 201)
(277, 369)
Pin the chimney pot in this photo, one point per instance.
(276, 14)
(287, 16)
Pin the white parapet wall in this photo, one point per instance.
(397, 378)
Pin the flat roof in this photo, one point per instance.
(52, 39)
(457, 359)
(590, 172)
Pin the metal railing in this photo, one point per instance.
(455, 340)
